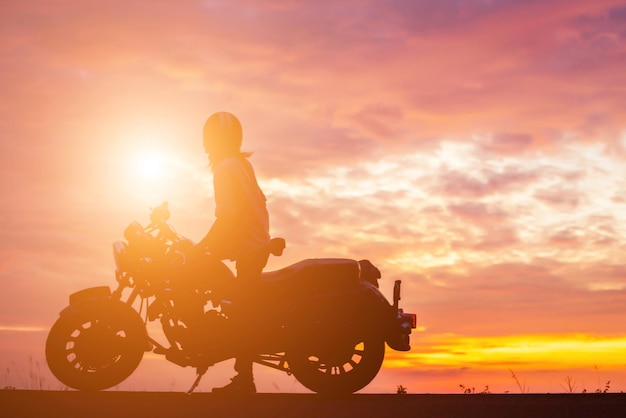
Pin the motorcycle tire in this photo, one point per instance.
(96, 345)
(343, 372)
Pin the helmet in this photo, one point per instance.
(222, 133)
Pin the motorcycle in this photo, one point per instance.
(323, 320)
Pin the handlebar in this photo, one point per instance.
(158, 220)
(158, 223)
(161, 214)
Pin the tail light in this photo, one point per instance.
(408, 319)
(413, 319)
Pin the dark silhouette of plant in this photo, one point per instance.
(570, 384)
(466, 390)
(522, 386)
(469, 391)
(401, 390)
(607, 386)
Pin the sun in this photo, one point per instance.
(150, 174)
(150, 166)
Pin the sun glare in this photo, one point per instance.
(150, 174)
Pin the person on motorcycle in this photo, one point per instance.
(241, 229)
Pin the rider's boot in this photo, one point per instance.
(239, 385)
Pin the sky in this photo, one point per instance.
(474, 150)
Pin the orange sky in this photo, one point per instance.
(474, 150)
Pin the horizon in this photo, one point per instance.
(474, 150)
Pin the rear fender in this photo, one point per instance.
(361, 295)
(363, 308)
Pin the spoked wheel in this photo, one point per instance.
(342, 369)
(96, 346)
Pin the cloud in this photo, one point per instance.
(519, 293)
(476, 212)
(380, 121)
(508, 144)
(560, 199)
(564, 238)
(483, 182)
(416, 88)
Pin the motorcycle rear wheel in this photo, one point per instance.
(96, 346)
(341, 372)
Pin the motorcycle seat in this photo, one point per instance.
(325, 271)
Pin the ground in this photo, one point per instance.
(69, 404)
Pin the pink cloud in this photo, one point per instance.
(508, 144)
(380, 121)
(467, 185)
(564, 238)
(239, 47)
(560, 198)
(476, 212)
(519, 293)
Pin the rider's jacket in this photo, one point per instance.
(242, 222)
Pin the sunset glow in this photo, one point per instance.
(527, 352)
(474, 150)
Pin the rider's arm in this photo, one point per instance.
(223, 233)
(216, 240)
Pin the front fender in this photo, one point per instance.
(90, 293)
(99, 298)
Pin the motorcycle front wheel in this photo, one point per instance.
(97, 345)
(340, 370)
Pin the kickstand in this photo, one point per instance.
(200, 372)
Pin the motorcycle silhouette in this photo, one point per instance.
(323, 320)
